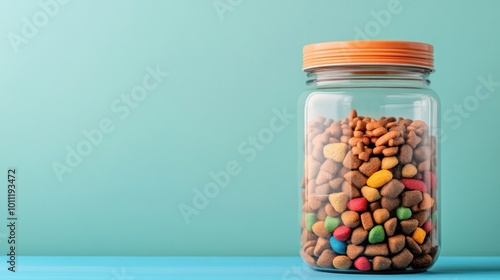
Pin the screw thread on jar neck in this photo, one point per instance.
(357, 76)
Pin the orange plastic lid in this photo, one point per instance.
(368, 52)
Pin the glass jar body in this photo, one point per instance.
(371, 171)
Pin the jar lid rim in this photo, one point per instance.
(368, 52)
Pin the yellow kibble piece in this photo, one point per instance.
(370, 194)
(389, 162)
(419, 235)
(335, 151)
(379, 178)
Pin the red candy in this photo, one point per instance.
(342, 233)
(363, 264)
(358, 204)
(414, 184)
(430, 179)
(428, 226)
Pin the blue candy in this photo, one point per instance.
(338, 246)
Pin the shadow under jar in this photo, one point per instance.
(371, 158)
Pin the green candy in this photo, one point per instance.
(331, 223)
(376, 235)
(403, 213)
(310, 220)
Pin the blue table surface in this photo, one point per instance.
(138, 268)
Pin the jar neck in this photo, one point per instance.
(369, 76)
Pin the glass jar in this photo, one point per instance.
(371, 158)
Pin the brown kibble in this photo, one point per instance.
(413, 246)
(317, 153)
(307, 258)
(392, 189)
(321, 245)
(321, 214)
(413, 140)
(354, 251)
(378, 150)
(306, 236)
(330, 166)
(355, 178)
(320, 139)
(330, 211)
(351, 191)
(326, 258)
(390, 203)
(364, 156)
(323, 177)
(410, 198)
(342, 172)
(379, 249)
(350, 219)
(351, 161)
(402, 260)
(342, 262)
(370, 167)
(372, 125)
(408, 226)
(312, 167)
(422, 262)
(422, 153)
(426, 246)
(396, 243)
(321, 192)
(336, 183)
(379, 131)
(384, 139)
(381, 263)
(310, 244)
(424, 166)
(309, 250)
(396, 141)
(381, 215)
(427, 202)
(405, 154)
(390, 226)
(367, 221)
(358, 133)
(375, 205)
(314, 203)
(359, 235)
(334, 130)
(421, 216)
(390, 151)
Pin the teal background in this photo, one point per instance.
(225, 78)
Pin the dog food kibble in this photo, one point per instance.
(353, 251)
(342, 262)
(338, 246)
(363, 264)
(403, 213)
(369, 194)
(381, 263)
(376, 235)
